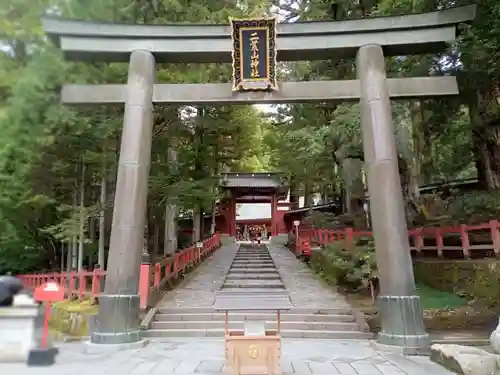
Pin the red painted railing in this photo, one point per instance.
(426, 239)
(79, 285)
(88, 284)
(167, 270)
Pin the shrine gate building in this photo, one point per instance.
(252, 188)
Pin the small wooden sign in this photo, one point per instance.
(49, 292)
(296, 223)
(254, 54)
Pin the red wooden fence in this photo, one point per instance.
(428, 239)
(88, 284)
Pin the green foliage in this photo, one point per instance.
(474, 280)
(433, 299)
(45, 145)
(477, 207)
(474, 207)
(350, 265)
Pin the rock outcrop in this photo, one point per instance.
(495, 339)
(466, 360)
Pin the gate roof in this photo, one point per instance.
(255, 184)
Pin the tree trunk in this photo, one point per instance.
(415, 154)
(202, 223)
(294, 194)
(102, 219)
(196, 224)
(354, 187)
(69, 248)
(486, 145)
(199, 173)
(308, 201)
(62, 256)
(74, 239)
(170, 229)
(213, 220)
(81, 233)
(413, 150)
(156, 239)
(93, 236)
(170, 241)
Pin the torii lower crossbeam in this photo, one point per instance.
(290, 92)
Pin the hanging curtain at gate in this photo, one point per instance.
(254, 54)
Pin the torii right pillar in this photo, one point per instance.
(399, 305)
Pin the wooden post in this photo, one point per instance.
(273, 216)
(495, 237)
(464, 236)
(439, 242)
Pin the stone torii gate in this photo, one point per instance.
(369, 40)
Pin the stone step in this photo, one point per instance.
(244, 263)
(253, 267)
(244, 249)
(253, 256)
(322, 311)
(277, 284)
(264, 291)
(251, 270)
(240, 317)
(252, 264)
(246, 254)
(253, 276)
(286, 333)
(305, 326)
(264, 282)
(251, 259)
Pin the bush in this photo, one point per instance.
(475, 207)
(351, 264)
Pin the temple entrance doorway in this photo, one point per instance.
(253, 206)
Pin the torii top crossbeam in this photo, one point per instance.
(186, 43)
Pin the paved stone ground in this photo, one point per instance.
(305, 288)
(200, 287)
(205, 357)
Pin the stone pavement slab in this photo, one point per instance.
(304, 287)
(198, 289)
(206, 357)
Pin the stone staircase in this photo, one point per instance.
(252, 270)
(253, 273)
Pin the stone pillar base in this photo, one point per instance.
(403, 324)
(91, 348)
(118, 320)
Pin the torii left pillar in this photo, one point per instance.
(118, 319)
(398, 302)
